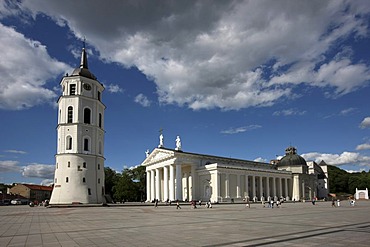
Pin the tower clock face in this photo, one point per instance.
(87, 86)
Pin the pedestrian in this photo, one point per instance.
(178, 204)
(156, 203)
(247, 203)
(338, 203)
(333, 202)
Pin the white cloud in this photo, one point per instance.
(289, 112)
(364, 146)
(113, 88)
(365, 123)
(240, 129)
(142, 100)
(260, 159)
(347, 111)
(345, 158)
(39, 171)
(15, 151)
(25, 67)
(9, 166)
(224, 54)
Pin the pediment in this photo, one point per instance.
(158, 155)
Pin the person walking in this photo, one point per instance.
(178, 204)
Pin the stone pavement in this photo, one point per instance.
(295, 224)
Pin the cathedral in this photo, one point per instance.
(79, 169)
(173, 174)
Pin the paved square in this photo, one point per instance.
(295, 224)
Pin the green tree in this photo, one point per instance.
(111, 178)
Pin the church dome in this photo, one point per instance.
(291, 158)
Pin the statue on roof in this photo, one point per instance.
(178, 143)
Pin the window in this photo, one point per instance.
(98, 180)
(55, 180)
(84, 165)
(99, 96)
(100, 120)
(100, 148)
(72, 89)
(70, 114)
(98, 166)
(84, 180)
(86, 144)
(87, 116)
(69, 164)
(89, 191)
(69, 142)
(57, 165)
(66, 179)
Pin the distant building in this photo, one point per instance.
(174, 174)
(362, 194)
(32, 192)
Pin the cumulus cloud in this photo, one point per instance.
(142, 100)
(365, 123)
(260, 159)
(25, 67)
(289, 112)
(364, 146)
(345, 158)
(9, 166)
(240, 129)
(114, 88)
(224, 54)
(39, 171)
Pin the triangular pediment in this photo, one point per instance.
(158, 155)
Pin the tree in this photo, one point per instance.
(111, 178)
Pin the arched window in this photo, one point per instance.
(87, 116)
(84, 165)
(66, 179)
(100, 120)
(70, 114)
(84, 180)
(69, 143)
(100, 148)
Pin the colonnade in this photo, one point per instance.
(257, 186)
(170, 182)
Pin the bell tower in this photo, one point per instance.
(79, 170)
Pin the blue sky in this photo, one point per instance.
(240, 79)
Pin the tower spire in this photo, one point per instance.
(83, 63)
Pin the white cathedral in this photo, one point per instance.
(172, 174)
(79, 170)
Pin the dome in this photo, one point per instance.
(291, 158)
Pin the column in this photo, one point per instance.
(227, 183)
(254, 186)
(185, 190)
(280, 188)
(148, 186)
(178, 182)
(286, 188)
(267, 187)
(193, 183)
(274, 186)
(261, 186)
(152, 185)
(246, 185)
(172, 183)
(157, 184)
(165, 183)
(238, 186)
(303, 190)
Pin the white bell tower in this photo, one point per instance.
(79, 171)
